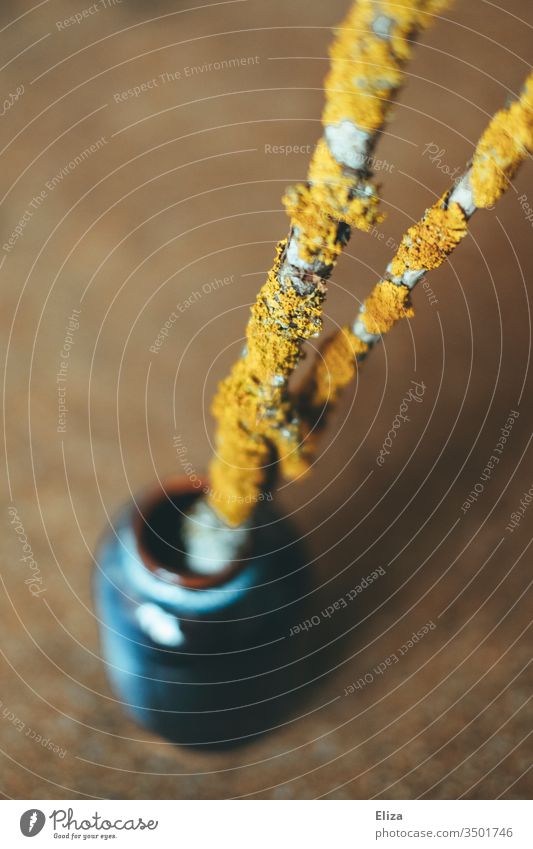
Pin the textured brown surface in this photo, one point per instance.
(185, 193)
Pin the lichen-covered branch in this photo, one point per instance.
(506, 142)
(253, 408)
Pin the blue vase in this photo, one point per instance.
(201, 660)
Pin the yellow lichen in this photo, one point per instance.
(316, 208)
(237, 486)
(366, 68)
(386, 305)
(503, 146)
(295, 451)
(409, 16)
(251, 405)
(336, 367)
(366, 71)
(426, 245)
(431, 240)
(253, 408)
(359, 85)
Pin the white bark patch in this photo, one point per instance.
(361, 332)
(210, 545)
(349, 145)
(382, 26)
(463, 195)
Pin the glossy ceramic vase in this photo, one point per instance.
(202, 660)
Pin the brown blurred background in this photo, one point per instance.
(180, 190)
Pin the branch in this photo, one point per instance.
(253, 407)
(506, 142)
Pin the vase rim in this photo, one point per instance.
(172, 489)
